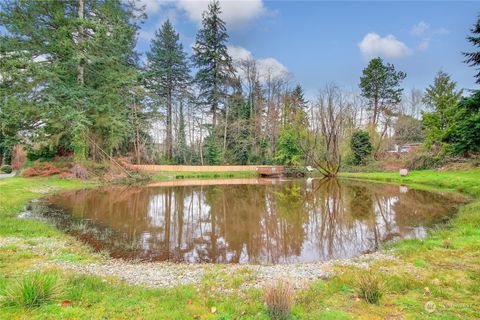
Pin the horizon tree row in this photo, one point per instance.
(72, 84)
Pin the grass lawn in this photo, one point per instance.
(447, 262)
(463, 181)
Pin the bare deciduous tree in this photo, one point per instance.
(329, 122)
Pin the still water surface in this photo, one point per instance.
(248, 221)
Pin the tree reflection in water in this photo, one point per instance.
(295, 221)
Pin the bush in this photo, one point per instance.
(289, 151)
(42, 153)
(41, 169)
(79, 172)
(213, 155)
(370, 287)
(279, 299)
(424, 161)
(6, 169)
(33, 290)
(66, 175)
(361, 147)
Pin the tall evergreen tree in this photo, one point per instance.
(167, 73)
(212, 59)
(70, 62)
(441, 98)
(380, 84)
(473, 58)
(213, 154)
(295, 107)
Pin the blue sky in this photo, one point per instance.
(319, 42)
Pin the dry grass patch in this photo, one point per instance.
(371, 287)
(279, 298)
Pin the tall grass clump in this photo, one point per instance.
(33, 290)
(370, 287)
(279, 298)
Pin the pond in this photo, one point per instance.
(260, 221)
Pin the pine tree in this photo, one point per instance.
(361, 146)
(380, 84)
(212, 149)
(81, 54)
(167, 73)
(441, 98)
(473, 58)
(212, 59)
(295, 107)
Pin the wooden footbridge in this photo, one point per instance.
(262, 170)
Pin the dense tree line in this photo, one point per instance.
(72, 84)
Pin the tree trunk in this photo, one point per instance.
(81, 67)
(200, 143)
(214, 112)
(136, 140)
(169, 138)
(225, 132)
(375, 111)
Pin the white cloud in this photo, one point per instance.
(272, 67)
(265, 66)
(151, 6)
(234, 12)
(424, 45)
(373, 45)
(420, 29)
(424, 31)
(239, 53)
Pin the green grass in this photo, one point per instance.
(16, 192)
(450, 272)
(33, 290)
(462, 181)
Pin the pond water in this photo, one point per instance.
(247, 220)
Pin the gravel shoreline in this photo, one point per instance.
(167, 275)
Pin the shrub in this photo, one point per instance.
(33, 290)
(6, 169)
(370, 287)
(41, 169)
(361, 147)
(30, 172)
(43, 153)
(289, 151)
(423, 161)
(66, 175)
(279, 299)
(79, 172)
